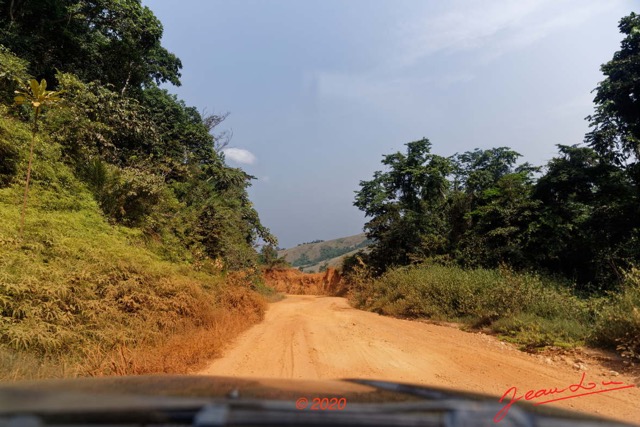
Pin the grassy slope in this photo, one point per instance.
(312, 250)
(79, 296)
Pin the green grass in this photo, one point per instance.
(522, 308)
(79, 296)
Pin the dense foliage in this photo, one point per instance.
(148, 158)
(578, 217)
(114, 42)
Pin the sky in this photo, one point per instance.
(319, 90)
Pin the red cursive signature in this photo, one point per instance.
(574, 389)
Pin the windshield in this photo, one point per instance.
(439, 194)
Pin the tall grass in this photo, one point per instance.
(618, 324)
(523, 308)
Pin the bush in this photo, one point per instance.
(9, 161)
(127, 195)
(522, 307)
(12, 70)
(618, 324)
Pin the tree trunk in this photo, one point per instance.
(26, 187)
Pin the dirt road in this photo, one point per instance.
(315, 337)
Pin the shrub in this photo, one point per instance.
(9, 159)
(618, 323)
(522, 307)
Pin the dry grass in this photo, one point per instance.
(182, 352)
(184, 349)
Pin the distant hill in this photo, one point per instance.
(313, 255)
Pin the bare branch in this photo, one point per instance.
(211, 121)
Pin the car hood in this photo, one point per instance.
(107, 396)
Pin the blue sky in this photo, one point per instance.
(319, 90)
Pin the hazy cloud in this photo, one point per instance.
(498, 27)
(240, 155)
(385, 92)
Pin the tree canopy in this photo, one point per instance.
(616, 121)
(114, 42)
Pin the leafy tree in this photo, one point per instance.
(475, 171)
(184, 137)
(405, 204)
(269, 257)
(226, 224)
(489, 206)
(501, 224)
(37, 97)
(616, 121)
(268, 254)
(588, 221)
(114, 42)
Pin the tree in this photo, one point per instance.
(114, 42)
(478, 170)
(37, 96)
(501, 223)
(95, 121)
(184, 137)
(616, 121)
(268, 254)
(474, 173)
(405, 204)
(269, 257)
(589, 219)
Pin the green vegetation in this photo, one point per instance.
(137, 253)
(311, 242)
(269, 258)
(577, 219)
(302, 261)
(521, 308)
(326, 253)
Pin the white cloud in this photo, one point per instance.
(240, 155)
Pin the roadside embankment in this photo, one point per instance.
(291, 281)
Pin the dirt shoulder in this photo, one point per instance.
(318, 337)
